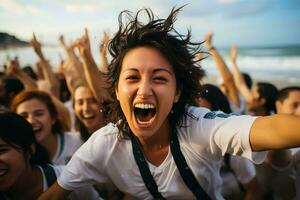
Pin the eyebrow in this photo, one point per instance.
(154, 71)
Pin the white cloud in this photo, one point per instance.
(34, 10)
(13, 8)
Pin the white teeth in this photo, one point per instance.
(144, 106)
(36, 128)
(88, 116)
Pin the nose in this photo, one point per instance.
(85, 105)
(144, 89)
(31, 119)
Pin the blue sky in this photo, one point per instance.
(241, 22)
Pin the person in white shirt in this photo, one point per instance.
(39, 110)
(25, 171)
(159, 146)
(277, 174)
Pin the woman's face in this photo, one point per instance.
(12, 166)
(87, 109)
(146, 90)
(38, 115)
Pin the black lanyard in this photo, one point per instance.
(184, 170)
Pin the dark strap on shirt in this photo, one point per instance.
(49, 173)
(144, 168)
(184, 170)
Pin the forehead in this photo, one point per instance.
(144, 59)
(31, 104)
(82, 92)
(294, 96)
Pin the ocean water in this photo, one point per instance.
(263, 63)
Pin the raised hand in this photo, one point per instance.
(233, 53)
(12, 67)
(208, 40)
(104, 43)
(83, 44)
(36, 46)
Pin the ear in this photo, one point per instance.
(278, 105)
(177, 96)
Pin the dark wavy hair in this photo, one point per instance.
(215, 97)
(18, 133)
(285, 92)
(269, 92)
(26, 95)
(176, 48)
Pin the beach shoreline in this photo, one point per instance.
(279, 83)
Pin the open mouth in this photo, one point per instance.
(37, 129)
(144, 112)
(88, 116)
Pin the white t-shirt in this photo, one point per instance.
(67, 144)
(86, 192)
(204, 137)
(239, 110)
(243, 173)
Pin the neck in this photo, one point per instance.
(158, 140)
(156, 147)
(50, 143)
(28, 186)
(91, 130)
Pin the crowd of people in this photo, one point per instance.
(143, 125)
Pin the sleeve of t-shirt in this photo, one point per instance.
(88, 163)
(243, 169)
(224, 133)
(86, 192)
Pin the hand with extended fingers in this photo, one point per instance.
(61, 39)
(208, 40)
(104, 43)
(233, 53)
(36, 46)
(83, 44)
(12, 67)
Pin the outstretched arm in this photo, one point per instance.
(275, 132)
(13, 68)
(74, 64)
(223, 70)
(47, 71)
(55, 192)
(238, 77)
(96, 80)
(103, 52)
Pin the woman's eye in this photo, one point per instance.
(159, 78)
(38, 114)
(132, 78)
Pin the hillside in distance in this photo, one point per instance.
(11, 41)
